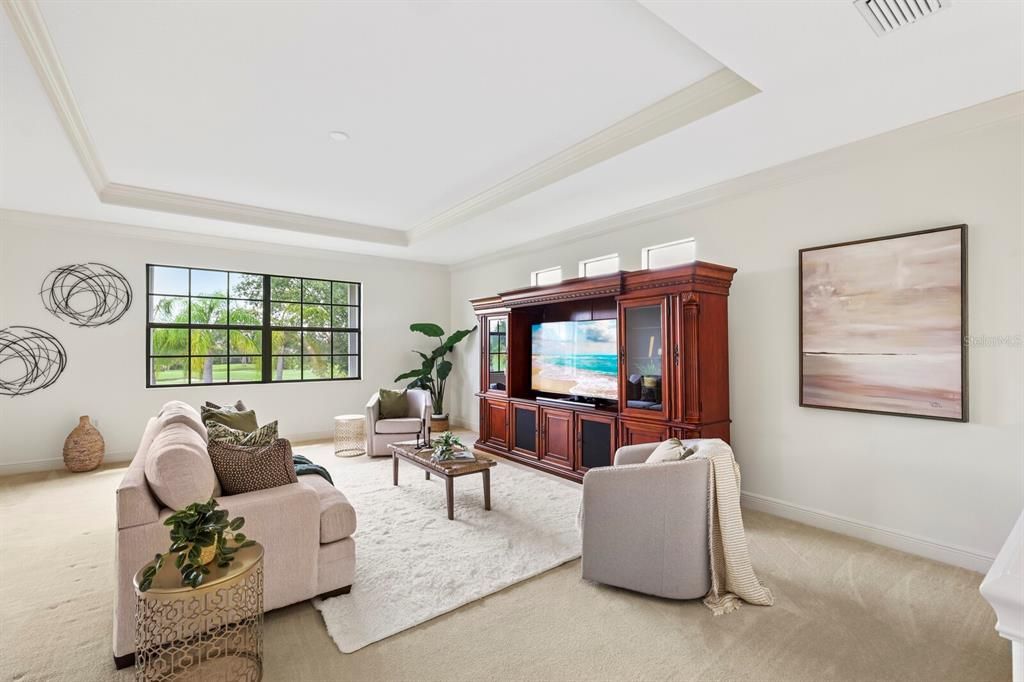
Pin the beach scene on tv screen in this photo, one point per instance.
(576, 358)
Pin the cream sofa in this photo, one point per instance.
(382, 432)
(645, 526)
(305, 528)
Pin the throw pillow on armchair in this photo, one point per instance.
(393, 404)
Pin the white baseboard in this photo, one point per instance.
(55, 464)
(887, 537)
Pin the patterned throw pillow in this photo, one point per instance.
(243, 469)
(264, 435)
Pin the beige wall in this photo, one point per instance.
(941, 489)
(105, 376)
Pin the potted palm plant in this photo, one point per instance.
(433, 372)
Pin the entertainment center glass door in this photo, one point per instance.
(643, 326)
(497, 354)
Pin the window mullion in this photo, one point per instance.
(267, 344)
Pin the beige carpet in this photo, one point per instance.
(845, 610)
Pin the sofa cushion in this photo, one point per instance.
(177, 412)
(178, 469)
(244, 469)
(337, 516)
(403, 425)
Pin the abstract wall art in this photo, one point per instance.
(882, 324)
(87, 294)
(30, 359)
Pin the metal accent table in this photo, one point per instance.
(211, 633)
(349, 435)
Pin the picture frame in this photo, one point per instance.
(882, 325)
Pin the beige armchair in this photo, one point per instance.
(382, 432)
(645, 526)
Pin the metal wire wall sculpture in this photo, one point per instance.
(87, 294)
(30, 359)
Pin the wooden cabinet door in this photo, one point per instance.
(595, 440)
(636, 432)
(556, 437)
(495, 422)
(524, 431)
(645, 358)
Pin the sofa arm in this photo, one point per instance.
(372, 415)
(645, 528)
(634, 454)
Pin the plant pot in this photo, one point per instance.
(208, 554)
(84, 447)
(439, 423)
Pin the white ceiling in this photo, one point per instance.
(443, 101)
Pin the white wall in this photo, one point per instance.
(105, 376)
(947, 490)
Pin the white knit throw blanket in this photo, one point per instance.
(732, 575)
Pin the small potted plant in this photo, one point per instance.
(446, 446)
(200, 535)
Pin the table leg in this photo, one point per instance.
(449, 490)
(394, 460)
(487, 489)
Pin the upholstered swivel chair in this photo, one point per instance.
(645, 526)
(382, 432)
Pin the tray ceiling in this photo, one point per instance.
(473, 126)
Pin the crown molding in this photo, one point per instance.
(879, 148)
(45, 221)
(705, 97)
(27, 19)
(215, 209)
(30, 26)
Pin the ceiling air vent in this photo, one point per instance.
(885, 16)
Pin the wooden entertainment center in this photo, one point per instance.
(673, 366)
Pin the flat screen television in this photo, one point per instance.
(576, 358)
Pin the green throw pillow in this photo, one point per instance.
(264, 435)
(393, 404)
(241, 421)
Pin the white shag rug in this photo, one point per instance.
(413, 564)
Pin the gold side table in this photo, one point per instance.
(349, 438)
(211, 633)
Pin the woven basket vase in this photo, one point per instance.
(84, 447)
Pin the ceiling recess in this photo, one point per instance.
(885, 16)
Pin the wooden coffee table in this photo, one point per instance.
(449, 471)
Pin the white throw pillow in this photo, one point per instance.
(671, 450)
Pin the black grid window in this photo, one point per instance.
(215, 326)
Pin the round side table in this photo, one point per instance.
(212, 632)
(349, 438)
